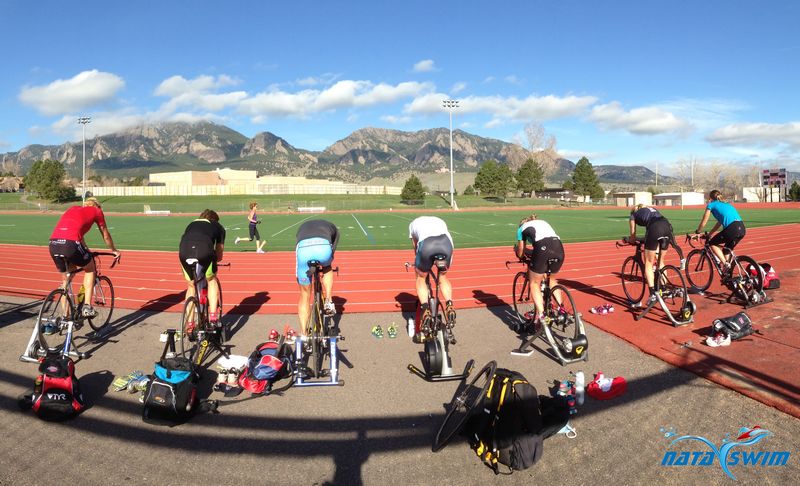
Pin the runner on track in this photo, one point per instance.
(253, 220)
(204, 239)
(657, 226)
(67, 241)
(430, 237)
(727, 216)
(316, 240)
(545, 245)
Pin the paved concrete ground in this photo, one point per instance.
(375, 429)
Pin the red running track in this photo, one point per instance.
(763, 366)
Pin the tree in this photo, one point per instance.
(494, 179)
(46, 178)
(530, 177)
(585, 181)
(469, 191)
(542, 148)
(413, 192)
(794, 191)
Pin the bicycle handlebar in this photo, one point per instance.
(523, 261)
(692, 237)
(117, 256)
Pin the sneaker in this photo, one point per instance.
(377, 331)
(236, 242)
(330, 309)
(609, 308)
(450, 314)
(190, 330)
(88, 311)
(121, 382)
(427, 320)
(260, 251)
(274, 334)
(653, 298)
(528, 316)
(222, 377)
(233, 377)
(138, 384)
(410, 327)
(290, 334)
(719, 339)
(391, 331)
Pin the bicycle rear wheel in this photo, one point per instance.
(673, 291)
(222, 329)
(316, 336)
(56, 307)
(563, 319)
(191, 320)
(521, 295)
(461, 407)
(747, 279)
(633, 281)
(103, 303)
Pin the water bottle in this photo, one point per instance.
(683, 264)
(81, 295)
(571, 404)
(37, 386)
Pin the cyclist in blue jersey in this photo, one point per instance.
(728, 218)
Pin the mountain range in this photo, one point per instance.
(366, 153)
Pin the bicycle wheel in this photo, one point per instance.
(461, 407)
(56, 307)
(222, 329)
(673, 291)
(699, 270)
(562, 319)
(747, 279)
(521, 294)
(316, 336)
(633, 281)
(191, 320)
(103, 303)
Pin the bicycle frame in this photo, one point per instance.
(320, 336)
(205, 335)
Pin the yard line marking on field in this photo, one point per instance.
(464, 234)
(7, 225)
(288, 227)
(369, 237)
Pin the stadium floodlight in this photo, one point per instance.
(83, 121)
(451, 105)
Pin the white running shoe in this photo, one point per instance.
(236, 242)
(330, 309)
(719, 339)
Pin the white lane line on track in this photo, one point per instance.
(288, 227)
(362, 229)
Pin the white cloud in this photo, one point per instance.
(649, 120)
(705, 114)
(510, 108)
(424, 66)
(396, 120)
(343, 94)
(458, 87)
(324, 79)
(198, 94)
(82, 91)
(178, 85)
(757, 134)
(488, 79)
(512, 79)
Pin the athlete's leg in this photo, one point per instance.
(304, 307)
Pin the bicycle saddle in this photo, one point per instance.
(192, 261)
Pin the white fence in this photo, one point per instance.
(224, 190)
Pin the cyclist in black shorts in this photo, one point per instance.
(431, 237)
(728, 219)
(546, 245)
(656, 226)
(203, 239)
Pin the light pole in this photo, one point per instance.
(83, 121)
(450, 105)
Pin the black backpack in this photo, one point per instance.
(736, 326)
(57, 392)
(171, 394)
(512, 422)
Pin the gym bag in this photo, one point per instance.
(736, 326)
(268, 363)
(771, 280)
(171, 395)
(57, 392)
(512, 422)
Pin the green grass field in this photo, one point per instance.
(380, 230)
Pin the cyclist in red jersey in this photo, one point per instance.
(66, 241)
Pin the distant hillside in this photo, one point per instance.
(364, 154)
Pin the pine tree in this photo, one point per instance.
(413, 192)
(530, 177)
(585, 181)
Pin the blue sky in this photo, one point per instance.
(621, 82)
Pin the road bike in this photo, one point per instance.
(743, 277)
(438, 336)
(61, 313)
(320, 343)
(670, 290)
(561, 327)
(197, 333)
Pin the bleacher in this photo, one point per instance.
(151, 212)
